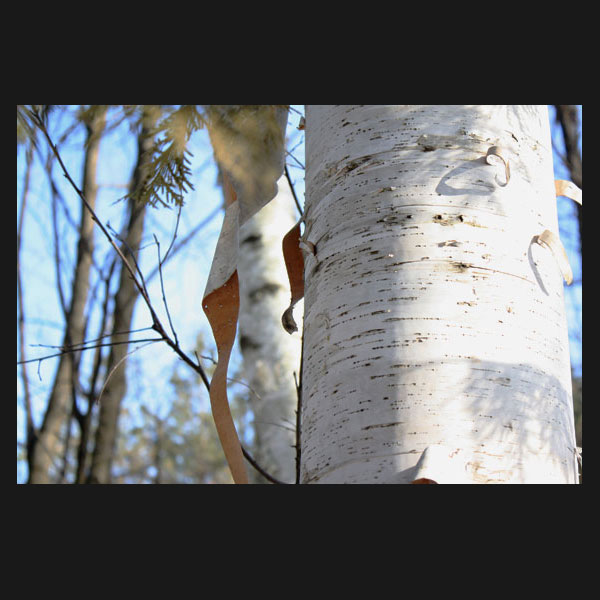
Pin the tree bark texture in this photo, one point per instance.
(435, 328)
(47, 447)
(270, 354)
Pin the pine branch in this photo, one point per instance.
(167, 177)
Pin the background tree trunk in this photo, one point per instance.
(270, 354)
(116, 386)
(566, 115)
(47, 446)
(30, 431)
(435, 329)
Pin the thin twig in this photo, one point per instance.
(189, 236)
(202, 373)
(287, 175)
(173, 238)
(292, 156)
(85, 342)
(249, 458)
(250, 389)
(298, 381)
(298, 423)
(162, 289)
(115, 368)
(69, 349)
(133, 256)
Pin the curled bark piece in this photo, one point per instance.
(288, 321)
(569, 190)
(552, 241)
(294, 263)
(496, 152)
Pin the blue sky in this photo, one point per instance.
(184, 276)
(569, 232)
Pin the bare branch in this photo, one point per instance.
(295, 159)
(287, 175)
(173, 238)
(270, 478)
(162, 288)
(67, 350)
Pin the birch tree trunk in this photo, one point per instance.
(270, 355)
(436, 344)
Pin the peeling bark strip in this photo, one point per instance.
(435, 336)
(221, 308)
(248, 142)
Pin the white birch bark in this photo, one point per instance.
(436, 340)
(270, 355)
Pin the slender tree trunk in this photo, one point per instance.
(84, 419)
(30, 432)
(47, 446)
(436, 343)
(271, 356)
(116, 385)
(566, 115)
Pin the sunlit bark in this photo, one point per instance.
(435, 332)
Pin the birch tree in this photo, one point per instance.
(270, 355)
(436, 345)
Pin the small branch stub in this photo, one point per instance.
(308, 247)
